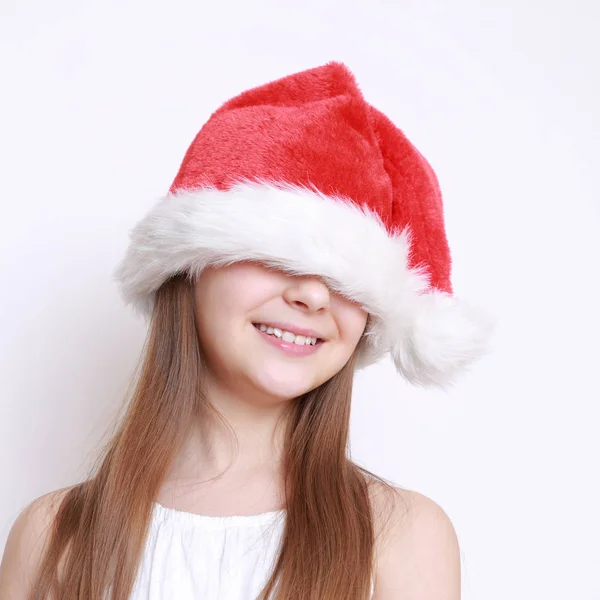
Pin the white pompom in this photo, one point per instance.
(445, 337)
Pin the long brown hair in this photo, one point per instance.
(99, 531)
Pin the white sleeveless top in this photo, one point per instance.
(199, 557)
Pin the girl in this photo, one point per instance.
(302, 239)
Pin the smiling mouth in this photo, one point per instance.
(318, 342)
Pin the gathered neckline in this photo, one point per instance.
(174, 515)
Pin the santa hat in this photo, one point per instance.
(302, 174)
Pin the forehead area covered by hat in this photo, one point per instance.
(290, 228)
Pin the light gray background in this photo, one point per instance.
(99, 103)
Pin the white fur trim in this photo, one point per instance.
(303, 231)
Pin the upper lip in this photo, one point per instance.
(292, 329)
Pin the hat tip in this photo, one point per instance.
(446, 338)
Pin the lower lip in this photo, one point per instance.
(289, 347)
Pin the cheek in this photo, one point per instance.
(213, 320)
(352, 320)
(219, 303)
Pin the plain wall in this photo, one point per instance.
(99, 102)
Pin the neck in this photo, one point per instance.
(221, 464)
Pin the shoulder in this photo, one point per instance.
(26, 543)
(417, 550)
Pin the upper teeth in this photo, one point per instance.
(287, 336)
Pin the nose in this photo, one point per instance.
(309, 294)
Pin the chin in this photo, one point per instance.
(286, 378)
(286, 390)
(282, 387)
